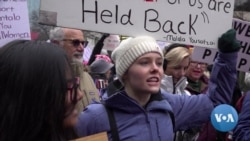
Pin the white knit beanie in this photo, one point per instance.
(130, 49)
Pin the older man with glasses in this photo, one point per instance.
(73, 42)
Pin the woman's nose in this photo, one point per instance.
(156, 67)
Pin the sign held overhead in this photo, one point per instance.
(194, 22)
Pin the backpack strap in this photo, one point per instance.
(172, 119)
(114, 87)
(112, 123)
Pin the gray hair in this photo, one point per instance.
(56, 34)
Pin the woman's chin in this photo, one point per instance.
(154, 90)
(71, 120)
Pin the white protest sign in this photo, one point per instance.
(243, 35)
(242, 28)
(14, 21)
(243, 32)
(208, 55)
(163, 44)
(194, 22)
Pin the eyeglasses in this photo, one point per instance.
(73, 89)
(76, 42)
(194, 64)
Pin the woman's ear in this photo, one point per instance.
(125, 76)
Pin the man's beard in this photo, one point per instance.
(78, 57)
(80, 60)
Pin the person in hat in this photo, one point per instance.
(100, 71)
(141, 111)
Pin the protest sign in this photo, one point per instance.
(14, 21)
(243, 32)
(194, 22)
(242, 28)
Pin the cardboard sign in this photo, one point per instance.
(14, 21)
(96, 137)
(194, 22)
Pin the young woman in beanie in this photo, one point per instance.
(143, 112)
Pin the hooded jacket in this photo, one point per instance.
(242, 130)
(153, 122)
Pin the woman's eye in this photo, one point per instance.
(159, 63)
(144, 63)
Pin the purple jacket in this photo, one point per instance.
(242, 130)
(153, 122)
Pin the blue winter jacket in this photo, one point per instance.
(242, 130)
(153, 122)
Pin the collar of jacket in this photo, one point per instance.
(167, 84)
(121, 101)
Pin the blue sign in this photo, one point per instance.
(224, 118)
